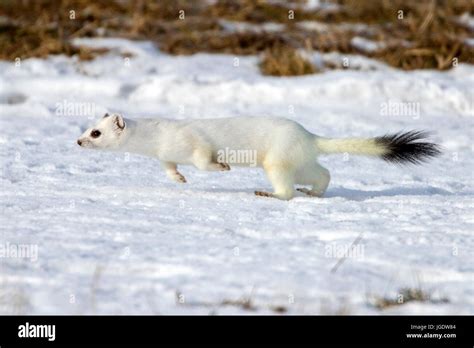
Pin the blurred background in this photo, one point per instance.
(425, 34)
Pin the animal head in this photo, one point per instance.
(107, 134)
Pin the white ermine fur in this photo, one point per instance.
(286, 151)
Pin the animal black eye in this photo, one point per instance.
(95, 133)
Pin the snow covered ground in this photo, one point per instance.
(109, 233)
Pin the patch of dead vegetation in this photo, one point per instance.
(244, 303)
(38, 28)
(233, 43)
(426, 34)
(404, 296)
(282, 60)
(423, 34)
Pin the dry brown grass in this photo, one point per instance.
(250, 11)
(406, 295)
(235, 43)
(285, 61)
(428, 36)
(37, 28)
(386, 11)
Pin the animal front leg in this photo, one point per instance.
(171, 170)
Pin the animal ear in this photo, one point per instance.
(106, 115)
(119, 121)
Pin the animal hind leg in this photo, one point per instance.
(282, 179)
(315, 175)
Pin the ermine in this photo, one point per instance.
(286, 151)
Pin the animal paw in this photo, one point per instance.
(310, 192)
(179, 178)
(263, 194)
(224, 166)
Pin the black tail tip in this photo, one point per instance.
(408, 147)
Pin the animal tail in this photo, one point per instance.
(403, 147)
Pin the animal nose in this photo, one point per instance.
(79, 142)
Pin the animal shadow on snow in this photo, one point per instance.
(359, 195)
(350, 194)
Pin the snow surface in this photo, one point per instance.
(114, 235)
(467, 20)
(244, 27)
(366, 45)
